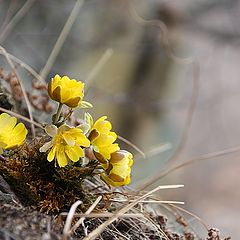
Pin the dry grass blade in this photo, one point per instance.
(70, 216)
(101, 62)
(29, 108)
(132, 145)
(188, 122)
(20, 14)
(156, 150)
(61, 39)
(101, 228)
(8, 15)
(157, 227)
(194, 160)
(191, 214)
(80, 221)
(149, 201)
(104, 215)
(21, 117)
(25, 66)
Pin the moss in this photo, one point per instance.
(37, 182)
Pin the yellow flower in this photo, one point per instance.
(65, 145)
(11, 133)
(119, 169)
(66, 91)
(103, 139)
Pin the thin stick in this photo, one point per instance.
(194, 160)
(132, 145)
(101, 62)
(25, 66)
(156, 150)
(104, 215)
(21, 117)
(170, 207)
(70, 216)
(29, 108)
(188, 122)
(191, 214)
(101, 227)
(148, 201)
(18, 16)
(80, 221)
(8, 14)
(61, 39)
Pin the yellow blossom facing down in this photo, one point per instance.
(66, 144)
(11, 133)
(103, 139)
(119, 169)
(66, 91)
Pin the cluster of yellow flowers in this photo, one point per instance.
(92, 140)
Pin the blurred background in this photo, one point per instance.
(162, 71)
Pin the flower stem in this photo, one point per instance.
(58, 113)
(68, 114)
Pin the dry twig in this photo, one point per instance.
(21, 117)
(61, 39)
(18, 16)
(70, 216)
(29, 108)
(99, 65)
(194, 160)
(120, 212)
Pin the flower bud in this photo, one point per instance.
(66, 91)
(119, 169)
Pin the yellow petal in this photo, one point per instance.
(56, 81)
(73, 102)
(103, 140)
(69, 139)
(7, 122)
(113, 148)
(62, 159)
(51, 154)
(18, 135)
(109, 181)
(74, 153)
(127, 180)
(104, 152)
(83, 141)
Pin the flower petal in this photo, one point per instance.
(51, 130)
(74, 153)
(51, 154)
(56, 94)
(73, 102)
(46, 147)
(70, 140)
(62, 159)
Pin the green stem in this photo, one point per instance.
(58, 113)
